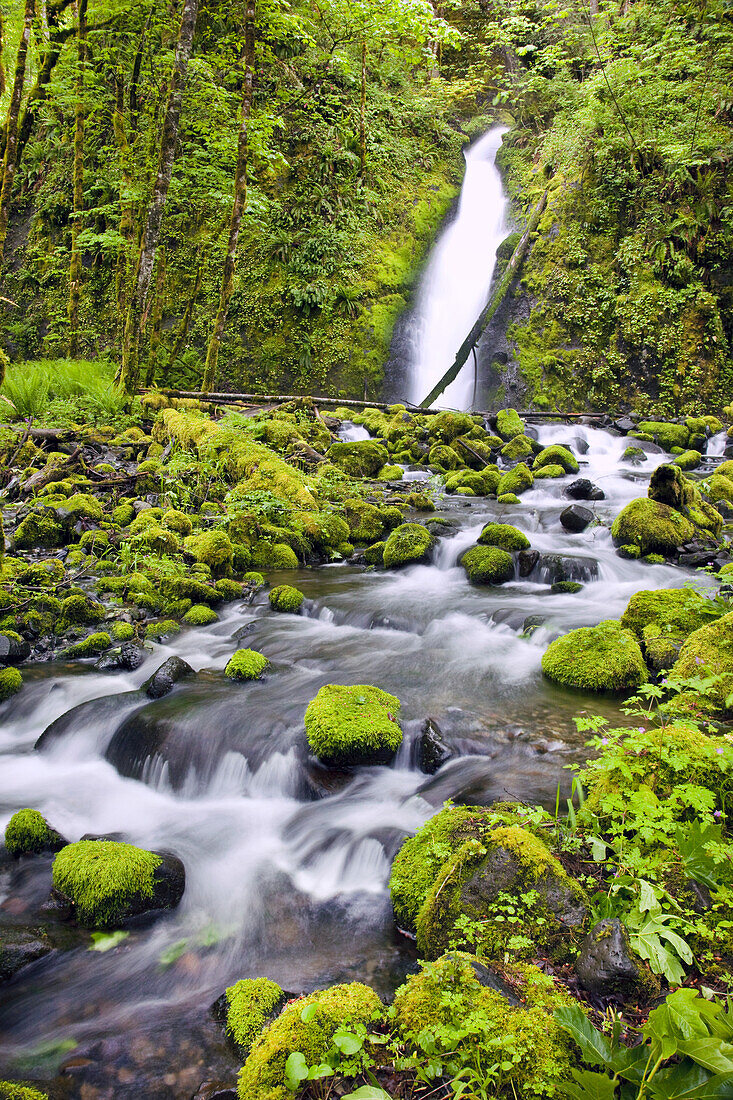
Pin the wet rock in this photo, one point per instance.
(624, 425)
(668, 485)
(563, 567)
(531, 623)
(91, 717)
(12, 651)
(386, 622)
(583, 489)
(432, 750)
(526, 561)
(606, 965)
(164, 678)
(216, 1090)
(126, 658)
(576, 518)
(491, 980)
(580, 445)
(168, 885)
(19, 947)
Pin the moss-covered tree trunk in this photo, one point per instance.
(2, 63)
(156, 321)
(79, 113)
(362, 110)
(11, 125)
(130, 368)
(188, 313)
(239, 204)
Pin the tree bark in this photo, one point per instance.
(157, 320)
(129, 371)
(126, 217)
(79, 112)
(11, 127)
(2, 66)
(362, 110)
(239, 204)
(188, 314)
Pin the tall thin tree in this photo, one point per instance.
(11, 125)
(79, 115)
(240, 200)
(130, 368)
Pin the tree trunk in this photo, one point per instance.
(126, 217)
(239, 204)
(2, 66)
(154, 347)
(79, 109)
(362, 110)
(129, 371)
(188, 314)
(11, 127)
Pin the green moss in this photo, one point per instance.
(89, 647)
(254, 580)
(556, 455)
(246, 664)
(10, 1090)
(535, 1054)
(635, 455)
(200, 615)
(11, 682)
(263, 1075)
(374, 554)
(94, 542)
(102, 877)
(213, 548)
(515, 481)
(162, 629)
(390, 473)
(509, 423)
(122, 632)
(709, 652)
(546, 472)
(366, 523)
(666, 435)
(228, 589)
(251, 1003)
(688, 460)
(505, 536)
(189, 588)
(508, 498)
(520, 446)
(565, 587)
(80, 506)
(488, 565)
(447, 426)
(444, 457)
(177, 521)
(286, 598)
(466, 479)
(596, 658)
(653, 527)
(123, 515)
(720, 487)
(82, 610)
(678, 610)
(421, 502)
(406, 545)
(28, 832)
(38, 528)
(629, 552)
(42, 574)
(353, 725)
(364, 458)
(273, 556)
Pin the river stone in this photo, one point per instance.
(606, 964)
(583, 489)
(563, 567)
(170, 672)
(19, 947)
(13, 652)
(624, 425)
(576, 518)
(432, 751)
(502, 873)
(526, 561)
(169, 883)
(125, 659)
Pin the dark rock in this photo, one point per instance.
(385, 622)
(696, 559)
(565, 587)
(583, 489)
(606, 964)
(624, 425)
(491, 980)
(170, 672)
(647, 447)
(526, 561)
(580, 445)
(125, 659)
(725, 509)
(668, 485)
(90, 717)
(215, 1090)
(532, 622)
(13, 652)
(19, 947)
(562, 567)
(432, 751)
(576, 518)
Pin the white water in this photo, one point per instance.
(455, 286)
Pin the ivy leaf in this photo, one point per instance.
(594, 1046)
(588, 1086)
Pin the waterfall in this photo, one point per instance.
(455, 286)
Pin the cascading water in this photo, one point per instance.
(455, 286)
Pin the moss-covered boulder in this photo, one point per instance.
(286, 598)
(364, 458)
(11, 682)
(407, 544)
(444, 457)
(653, 527)
(512, 1010)
(557, 455)
(273, 556)
(709, 652)
(200, 615)
(488, 565)
(461, 480)
(504, 536)
(515, 481)
(246, 664)
(509, 424)
(353, 725)
(720, 487)
(605, 658)
(666, 435)
(366, 523)
(663, 618)
(688, 460)
(213, 548)
(246, 1008)
(342, 1006)
(545, 473)
(177, 521)
(81, 610)
(108, 883)
(447, 426)
(28, 833)
(90, 646)
(39, 528)
(521, 446)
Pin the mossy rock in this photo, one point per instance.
(200, 615)
(364, 458)
(508, 498)
(81, 610)
(79, 506)
(123, 515)
(557, 455)
(253, 579)
(213, 548)
(421, 502)
(408, 544)
(603, 658)
(246, 1008)
(277, 556)
(28, 833)
(504, 536)
(228, 589)
(374, 554)
(720, 487)
(366, 523)
(666, 435)
(122, 632)
(515, 481)
(11, 1090)
(177, 521)
(91, 646)
(521, 446)
(163, 629)
(466, 479)
(509, 424)
(546, 472)
(688, 460)
(514, 1007)
(488, 565)
(262, 1076)
(674, 610)
(246, 664)
(444, 457)
(109, 883)
(653, 527)
(94, 542)
(708, 651)
(390, 473)
(11, 682)
(353, 725)
(286, 598)
(447, 426)
(39, 528)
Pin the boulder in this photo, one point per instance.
(432, 750)
(171, 672)
(125, 659)
(488, 565)
(583, 489)
(19, 947)
(596, 658)
(608, 968)
(13, 649)
(653, 527)
(408, 544)
(346, 726)
(576, 518)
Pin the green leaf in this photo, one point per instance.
(316, 1072)
(308, 1013)
(347, 1043)
(676, 1082)
(105, 941)
(368, 1092)
(588, 1086)
(594, 1046)
(712, 1053)
(296, 1070)
(692, 844)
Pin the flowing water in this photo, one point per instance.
(455, 286)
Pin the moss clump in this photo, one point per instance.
(546, 472)
(362, 459)
(444, 457)
(596, 658)
(28, 833)
(374, 554)
(123, 515)
(102, 878)
(166, 627)
(286, 598)
(421, 502)
(556, 455)
(560, 588)
(390, 473)
(274, 556)
(89, 647)
(80, 506)
(94, 542)
(666, 435)
(250, 1004)
(688, 460)
(262, 1076)
(213, 548)
(509, 424)
(177, 521)
(406, 545)
(82, 610)
(9, 1090)
(674, 610)
(353, 725)
(519, 447)
(122, 632)
(488, 565)
(653, 527)
(504, 536)
(447, 426)
(228, 589)
(366, 523)
(200, 615)
(535, 1053)
(465, 479)
(246, 664)
(254, 580)
(515, 481)
(709, 652)
(720, 487)
(38, 528)
(508, 498)
(11, 682)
